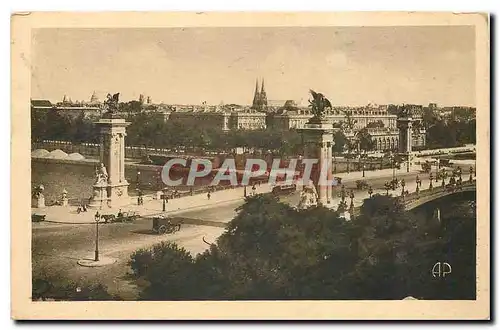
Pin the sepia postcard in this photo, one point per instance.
(250, 166)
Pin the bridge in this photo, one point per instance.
(414, 199)
(428, 190)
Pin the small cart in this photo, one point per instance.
(164, 225)
(37, 217)
(127, 216)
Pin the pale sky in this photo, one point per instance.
(350, 65)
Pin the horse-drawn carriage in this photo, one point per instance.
(165, 225)
(37, 217)
(127, 216)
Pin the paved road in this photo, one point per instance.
(56, 249)
(227, 211)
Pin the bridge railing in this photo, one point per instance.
(439, 190)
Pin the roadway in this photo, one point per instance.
(56, 248)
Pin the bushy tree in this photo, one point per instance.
(168, 271)
(62, 289)
(272, 251)
(364, 140)
(340, 141)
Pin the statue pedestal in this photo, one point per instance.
(40, 201)
(118, 194)
(110, 195)
(99, 196)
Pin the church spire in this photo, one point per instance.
(256, 96)
(263, 96)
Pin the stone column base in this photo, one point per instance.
(99, 197)
(110, 195)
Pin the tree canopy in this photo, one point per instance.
(273, 251)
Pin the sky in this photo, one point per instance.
(350, 65)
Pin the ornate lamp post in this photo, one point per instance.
(96, 218)
(138, 179)
(342, 194)
(437, 170)
(164, 199)
(351, 206)
(334, 163)
(158, 180)
(363, 169)
(403, 184)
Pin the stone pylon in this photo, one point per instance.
(317, 139)
(111, 187)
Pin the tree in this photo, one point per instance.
(38, 125)
(364, 140)
(167, 271)
(340, 141)
(349, 123)
(273, 251)
(61, 289)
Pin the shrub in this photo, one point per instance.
(53, 288)
(139, 261)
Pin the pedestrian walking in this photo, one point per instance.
(208, 195)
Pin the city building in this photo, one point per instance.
(70, 108)
(246, 119)
(289, 118)
(208, 120)
(381, 125)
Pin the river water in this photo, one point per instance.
(78, 178)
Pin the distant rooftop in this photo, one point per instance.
(41, 103)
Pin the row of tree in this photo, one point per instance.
(57, 125)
